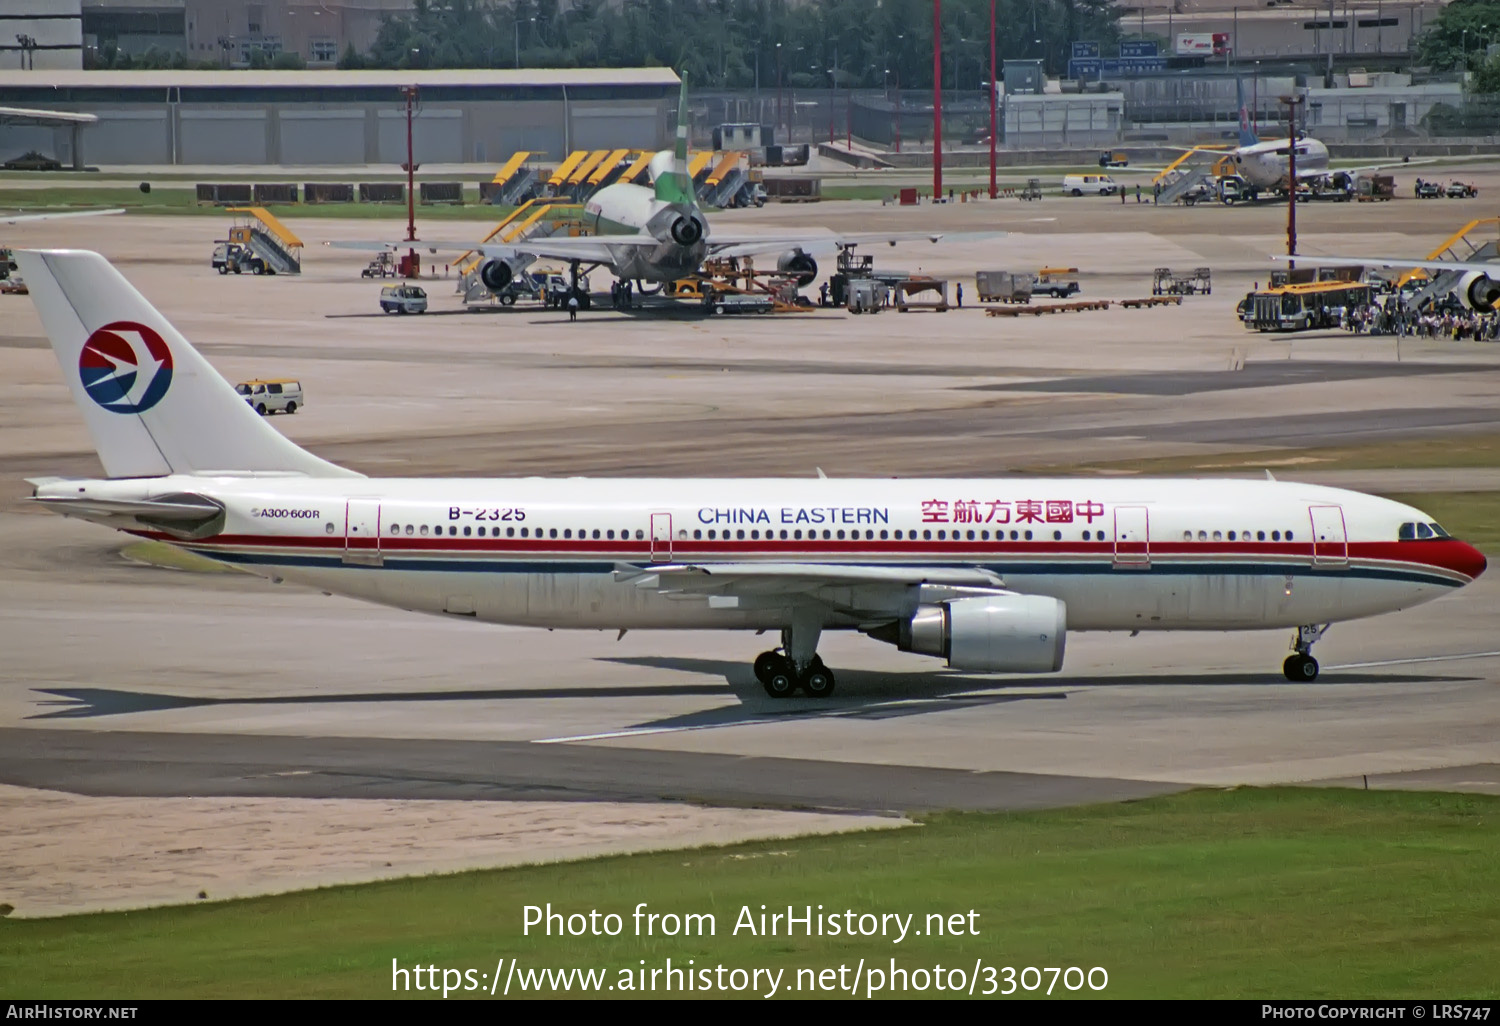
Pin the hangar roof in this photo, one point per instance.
(332, 79)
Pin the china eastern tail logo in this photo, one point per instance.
(126, 367)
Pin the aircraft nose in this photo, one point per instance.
(1468, 560)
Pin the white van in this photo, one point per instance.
(1092, 185)
(266, 397)
(403, 299)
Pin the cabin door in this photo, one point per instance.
(1329, 538)
(1132, 537)
(661, 537)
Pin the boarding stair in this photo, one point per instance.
(276, 245)
(722, 183)
(516, 181)
(1187, 171)
(1457, 246)
(536, 218)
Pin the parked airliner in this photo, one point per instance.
(989, 574)
(657, 234)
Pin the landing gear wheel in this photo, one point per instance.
(766, 664)
(781, 682)
(1300, 668)
(818, 680)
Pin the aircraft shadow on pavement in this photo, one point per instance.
(85, 703)
(864, 694)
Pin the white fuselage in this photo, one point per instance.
(625, 209)
(1265, 165)
(1148, 554)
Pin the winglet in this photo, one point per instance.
(1269, 475)
(820, 473)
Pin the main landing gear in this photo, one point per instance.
(1300, 666)
(795, 665)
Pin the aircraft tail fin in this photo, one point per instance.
(1247, 134)
(152, 404)
(674, 186)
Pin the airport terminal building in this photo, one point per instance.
(341, 117)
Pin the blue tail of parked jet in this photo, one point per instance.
(1247, 134)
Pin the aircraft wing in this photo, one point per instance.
(18, 218)
(1404, 263)
(729, 245)
(1325, 172)
(586, 248)
(874, 591)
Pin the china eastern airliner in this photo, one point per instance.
(989, 574)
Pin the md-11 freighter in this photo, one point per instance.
(989, 574)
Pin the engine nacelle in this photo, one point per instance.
(1478, 291)
(1001, 633)
(496, 275)
(686, 230)
(795, 261)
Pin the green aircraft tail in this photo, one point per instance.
(674, 186)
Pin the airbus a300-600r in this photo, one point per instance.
(989, 574)
(656, 234)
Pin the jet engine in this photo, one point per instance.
(795, 261)
(686, 230)
(496, 274)
(1478, 291)
(1002, 633)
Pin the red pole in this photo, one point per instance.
(994, 191)
(937, 99)
(411, 167)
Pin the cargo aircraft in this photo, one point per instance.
(656, 234)
(989, 574)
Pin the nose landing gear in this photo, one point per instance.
(1300, 666)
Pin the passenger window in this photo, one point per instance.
(453, 532)
(567, 532)
(610, 535)
(1187, 535)
(468, 531)
(1028, 536)
(1423, 532)
(408, 530)
(596, 534)
(1014, 535)
(1289, 536)
(898, 535)
(523, 532)
(841, 535)
(395, 528)
(481, 532)
(755, 536)
(1218, 536)
(1260, 536)
(1276, 536)
(639, 534)
(424, 530)
(984, 535)
(510, 532)
(1057, 536)
(1203, 536)
(783, 534)
(697, 534)
(797, 535)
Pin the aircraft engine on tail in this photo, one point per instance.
(1000, 633)
(686, 230)
(1479, 291)
(496, 275)
(800, 263)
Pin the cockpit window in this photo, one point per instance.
(1438, 532)
(1408, 532)
(1423, 531)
